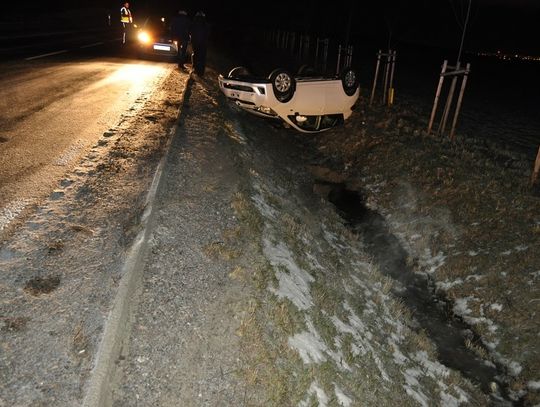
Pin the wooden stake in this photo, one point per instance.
(460, 100)
(449, 101)
(536, 170)
(437, 96)
(375, 78)
(386, 74)
(391, 84)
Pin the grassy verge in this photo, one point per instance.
(322, 327)
(466, 215)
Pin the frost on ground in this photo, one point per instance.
(326, 329)
(11, 211)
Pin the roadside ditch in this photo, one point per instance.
(431, 312)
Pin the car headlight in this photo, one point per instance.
(144, 37)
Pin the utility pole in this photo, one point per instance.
(463, 33)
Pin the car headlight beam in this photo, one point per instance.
(144, 37)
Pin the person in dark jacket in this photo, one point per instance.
(199, 42)
(180, 30)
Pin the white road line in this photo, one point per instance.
(47, 55)
(95, 44)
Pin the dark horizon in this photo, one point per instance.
(506, 25)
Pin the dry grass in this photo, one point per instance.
(221, 250)
(246, 212)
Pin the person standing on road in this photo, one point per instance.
(199, 42)
(127, 21)
(180, 31)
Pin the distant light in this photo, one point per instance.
(162, 19)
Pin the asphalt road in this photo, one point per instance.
(56, 101)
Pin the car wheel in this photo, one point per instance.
(349, 81)
(238, 73)
(283, 85)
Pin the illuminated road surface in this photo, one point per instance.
(53, 110)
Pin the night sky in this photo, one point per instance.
(509, 25)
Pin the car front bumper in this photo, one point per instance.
(256, 97)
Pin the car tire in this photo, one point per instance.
(283, 84)
(239, 72)
(349, 80)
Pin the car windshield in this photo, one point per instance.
(317, 123)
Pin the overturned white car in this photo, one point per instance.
(307, 102)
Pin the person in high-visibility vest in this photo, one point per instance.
(127, 20)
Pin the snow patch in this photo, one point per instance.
(312, 348)
(293, 284)
(475, 277)
(447, 285)
(462, 309)
(322, 398)
(461, 306)
(431, 263)
(496, 307)
(412, 386)
(362, 338)
(399, 358)
(264, 208)
(432, 369)
(332, 239)
(448, 400)
(342, 397)
(533, 385)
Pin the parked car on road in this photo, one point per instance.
(154, 37)
(307, 102)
